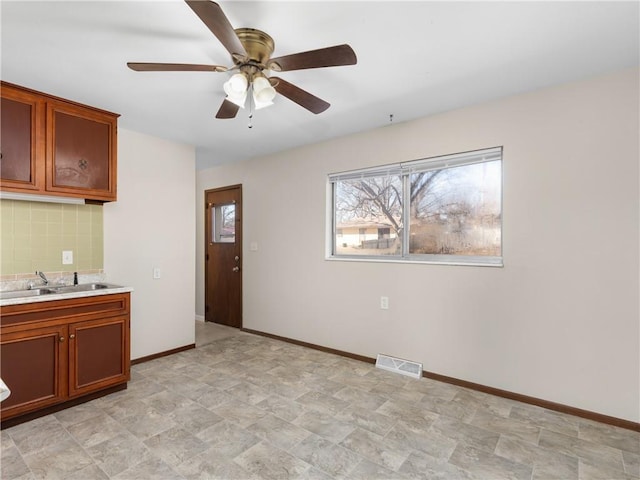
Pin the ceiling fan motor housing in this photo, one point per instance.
(258, 45)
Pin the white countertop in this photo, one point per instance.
(63, 296)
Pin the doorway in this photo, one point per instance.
(223, 256)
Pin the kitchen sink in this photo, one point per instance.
(85, 287)
(35, 292)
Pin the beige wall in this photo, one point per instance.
(559, 322)
(152, 225)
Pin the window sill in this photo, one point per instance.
(461, 263)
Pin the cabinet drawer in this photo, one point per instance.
(64, 311)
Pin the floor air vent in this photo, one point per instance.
(398, 365)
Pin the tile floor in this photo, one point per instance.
(241, 406)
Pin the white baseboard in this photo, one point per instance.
(200, 318)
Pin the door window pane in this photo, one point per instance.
(223, 223)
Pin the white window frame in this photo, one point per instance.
(404, 170)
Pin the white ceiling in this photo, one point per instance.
(414, 59)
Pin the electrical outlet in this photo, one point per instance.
(384, 303)
(156, 273)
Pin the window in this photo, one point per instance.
(445, 209)
(224, 223)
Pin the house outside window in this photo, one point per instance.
(440, 210)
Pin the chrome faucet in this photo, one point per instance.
(43, 277)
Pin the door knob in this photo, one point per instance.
(236, 269)
(237, 258)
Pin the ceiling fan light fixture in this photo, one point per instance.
(238, 99)
(237, 84)
(251, 51)
(236, 89)
(260, 104)
(263, 92)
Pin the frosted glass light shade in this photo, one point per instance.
(237, 84)
(236, 89)
(263, 92)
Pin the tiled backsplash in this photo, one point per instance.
(34, 234)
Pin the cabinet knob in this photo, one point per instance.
(61, 339)
(72, 336)
(236, 269)
(83, 164)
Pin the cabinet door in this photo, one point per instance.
(81, 151)
(98, 354)
(22, 140)
(34, 367)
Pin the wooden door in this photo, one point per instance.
(223, 256)
(81, 151)
(34, 367)
(22, 140)
(98, 354)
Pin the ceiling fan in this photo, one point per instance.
(251, 51)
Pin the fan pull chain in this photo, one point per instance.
(250, 95)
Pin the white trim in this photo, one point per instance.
(421, 165)
(329, 222)
(382, 259)
(454, 160)
(28, 197)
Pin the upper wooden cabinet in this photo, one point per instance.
(81, 151)
(22, 164)
(56, 147)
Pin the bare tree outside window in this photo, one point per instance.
(453, 211)
(224, 223)
(364, 207)
(459, 212)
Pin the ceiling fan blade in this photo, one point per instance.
(214, 18)
(323, 57)
(174, 67)
(227, 110)
(300, 96)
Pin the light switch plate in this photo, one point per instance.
(156, 273)
(384, 303)
(67, 257)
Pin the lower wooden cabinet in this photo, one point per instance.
(34, 367)
(54, 352)
(98, 354)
